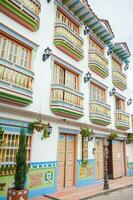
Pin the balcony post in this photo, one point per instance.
(106, 152)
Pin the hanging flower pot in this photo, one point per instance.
(37, 125)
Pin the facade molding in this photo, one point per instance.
(17, 36)
(55, 58)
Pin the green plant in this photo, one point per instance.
(1, 135)
(46, 133)
(130, 138)
(40, 126)
(86, 132)
(84, 163)
(21, 164)
(112, 136)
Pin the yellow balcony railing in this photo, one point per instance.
(66, 101)
(16, 84)
(119, 79)
(98, 63)
(68, 41)
(122, 120)
(99, 113)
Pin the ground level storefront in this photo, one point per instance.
(56, 162)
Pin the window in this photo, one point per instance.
(9, 147)
(97, 93)
(14, 53)
(120, 104)
(60, 17)
(65, 77)
(116, 65)
(95, 47)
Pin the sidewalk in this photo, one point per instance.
(89, 191)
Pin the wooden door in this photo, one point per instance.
(118, 164)
(66, 161)
(99, 158)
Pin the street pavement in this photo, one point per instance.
(122, 194)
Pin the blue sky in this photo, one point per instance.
(119, 13)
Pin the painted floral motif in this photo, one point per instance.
(36, 179)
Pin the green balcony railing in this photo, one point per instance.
(122, 120)
(119, 79)
(25, 12)
(66, 101)
(98, 63)
(99, 113)
(68, 41)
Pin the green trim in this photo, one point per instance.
(11, 97)
(119, 84)
(122, 127)
(19, 13)
(72, 114)
(98, 69)
(100, 121)
(69, 48)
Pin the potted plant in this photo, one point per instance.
(112, 136)
(86, 132)
(129, 138)
(1, 135)
(38, 125)
(19, 192)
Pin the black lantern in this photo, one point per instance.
(87, 30)
(112, 92)
(109, 51)
(48, 1)
(129, 102)
(87, 77)
(126, 66)
(49, 129)
(47, 53)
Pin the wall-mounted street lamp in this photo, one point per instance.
(87, 77)
(112, 92)
(47, 53)
(48, 1)
(129, 102)
(87, 30)
(126, 67)
(109, 51)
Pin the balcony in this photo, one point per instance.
(119, 79)
(98, 63)
(15, 83)
(66, 101)
(99, 113)
(121, 120)
(25, 12)
(68, 41)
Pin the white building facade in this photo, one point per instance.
(62, 93)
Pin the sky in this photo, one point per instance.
(119, 13)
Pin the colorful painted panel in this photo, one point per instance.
(85, 174)
(41, 180)
(130, 169)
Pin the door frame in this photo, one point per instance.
(75, 156)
